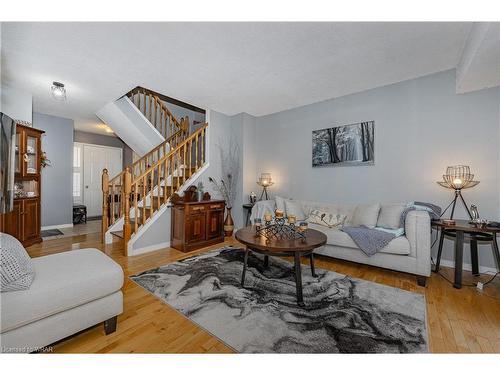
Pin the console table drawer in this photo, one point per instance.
(196, 209)
(216, 206)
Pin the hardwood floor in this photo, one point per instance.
(460, 321)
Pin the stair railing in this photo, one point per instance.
(154, 187)
(158, 174)
(153, 108)
(112, 188)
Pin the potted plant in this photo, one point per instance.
(200, 191)
(226, 185)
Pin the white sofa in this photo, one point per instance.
(71, 291)
(410, 253)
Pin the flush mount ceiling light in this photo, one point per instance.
(58, 91)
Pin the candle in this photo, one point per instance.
(268, 217)
(279, 213)
(258, 223)
(292, 219)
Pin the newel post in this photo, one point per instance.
(185, 125)
(126, 191)
(105, 209)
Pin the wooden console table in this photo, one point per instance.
(476, 233)
(197, 224)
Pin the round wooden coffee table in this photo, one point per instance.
(282, 247)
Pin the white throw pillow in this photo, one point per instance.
(390, 216)
(295, 208)
(366, 214)
(16, 267)
(327, 219)
(280, 203)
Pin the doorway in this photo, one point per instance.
(88, 162)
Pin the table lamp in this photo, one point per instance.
(265, 181)
(458, 177)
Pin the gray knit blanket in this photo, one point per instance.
(370, 241)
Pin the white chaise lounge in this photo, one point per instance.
(71, 291)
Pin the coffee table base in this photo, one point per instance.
(297, 267)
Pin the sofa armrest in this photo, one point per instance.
(418, 233)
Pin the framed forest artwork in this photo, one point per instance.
(344, 145)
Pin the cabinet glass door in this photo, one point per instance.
(31, 156)
(18, 153)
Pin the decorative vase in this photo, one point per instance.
(228, 224)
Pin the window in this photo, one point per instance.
(77, 156)
(77, 188)
(77, 173)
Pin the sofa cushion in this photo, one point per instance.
(366, 214)
(63, 281)
(389, 216)
(327, 219)
(336, 237)
(295, 208)
(16, 266)
(280, 203)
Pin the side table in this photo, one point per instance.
(248, 207)
(475, 232)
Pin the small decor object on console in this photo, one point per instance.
(344, 145)
(45, 161)
(458, 177)
(253, 198)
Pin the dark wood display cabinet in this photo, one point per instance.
(197, 224)
(23, 222)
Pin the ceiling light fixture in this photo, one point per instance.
(58, 91)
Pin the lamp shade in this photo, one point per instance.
(265, 179)
(58, 91)
(458, 177)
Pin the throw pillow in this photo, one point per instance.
(366, 214)
(326, 219)
(295, 208)
(390, 216)
(280, 203)
(16, 267)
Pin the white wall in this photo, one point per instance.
(17, 104)
(421, 127)
(57, 179)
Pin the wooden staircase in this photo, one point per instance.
(136, 194)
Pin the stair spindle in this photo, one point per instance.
(105, 187)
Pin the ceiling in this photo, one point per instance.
(258, 68)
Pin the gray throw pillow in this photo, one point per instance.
(280, 203)
(16, 267)
(390, 216)
(365, 214)
(295, 208)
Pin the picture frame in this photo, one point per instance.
(345, 145)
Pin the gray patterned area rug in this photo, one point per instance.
(342, 314)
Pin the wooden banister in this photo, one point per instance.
(105, 213)
(153, 108)
(148, 183)
(195, 136)
(127, 189)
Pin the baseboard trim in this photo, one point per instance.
(59, 226)
(147, 249)
(467, 266)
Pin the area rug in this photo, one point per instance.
(51, 232)
(341, 315)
